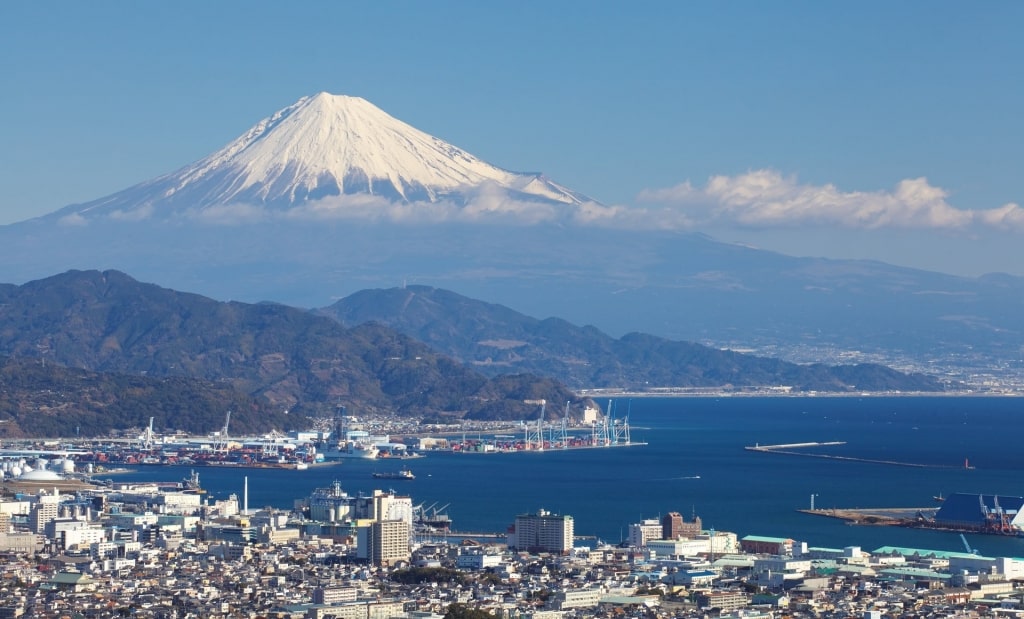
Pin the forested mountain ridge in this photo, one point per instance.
(287, 359)
(495, 339)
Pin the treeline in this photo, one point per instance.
(44, 399)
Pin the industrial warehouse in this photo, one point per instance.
(982, 513)
(968, 513)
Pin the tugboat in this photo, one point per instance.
(402, 474)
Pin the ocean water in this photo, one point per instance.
(695, 463)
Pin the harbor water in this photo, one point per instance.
(695, 463)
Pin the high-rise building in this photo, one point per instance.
(385, 525)
(46, 508)
(542, 532)
(384, 543)
(674, 527)
(383, 506)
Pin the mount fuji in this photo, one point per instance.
(331, 196)
(315, 152)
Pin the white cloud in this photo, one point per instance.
(491, 205)
(363, 207)
(492, 202)
(140, 213)
(73, 219)
(1007, 217)
(229, 214)
(759, 199)
(369, 208)
(487, 207)
(766, 198)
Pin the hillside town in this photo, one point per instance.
(146, 550)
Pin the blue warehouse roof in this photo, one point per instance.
(963, 508)
(764, 538)
(924, 552)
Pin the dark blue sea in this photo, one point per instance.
(737, 490)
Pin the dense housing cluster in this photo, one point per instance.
(148, 551)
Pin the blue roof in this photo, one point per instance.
(966, 508)
(924, 552)
(915, 573)
(764, 538)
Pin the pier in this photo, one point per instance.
(789, 449)
(793, 446)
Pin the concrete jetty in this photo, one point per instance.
(789, 449)
(758, 447)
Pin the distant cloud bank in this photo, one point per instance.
(766, 198)
(757, 199)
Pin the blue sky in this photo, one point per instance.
(882, 130)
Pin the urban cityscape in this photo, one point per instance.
(310, 310)
(78, 545)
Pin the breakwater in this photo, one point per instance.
(790, 449)
(605, 490)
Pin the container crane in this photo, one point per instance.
(222, 442)
(1001, 516)
(147, 436)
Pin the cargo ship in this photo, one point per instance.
(351, 449)
(402, 474)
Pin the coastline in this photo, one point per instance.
(686, 392)
(738, 490)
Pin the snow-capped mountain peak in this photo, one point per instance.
(330, 145)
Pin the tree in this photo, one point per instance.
(463, 611)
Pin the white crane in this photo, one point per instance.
(222, 438)
(147, 436)
(970, 550)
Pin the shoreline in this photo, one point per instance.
(670, 392)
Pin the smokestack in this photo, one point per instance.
(245, 497)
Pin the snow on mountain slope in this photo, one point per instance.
(322, 146)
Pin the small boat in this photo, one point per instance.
(402, 474)
(938, 498)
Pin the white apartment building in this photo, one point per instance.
(384, 543)
(644, 531)
(45, 509)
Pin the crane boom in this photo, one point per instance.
(967, 546)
